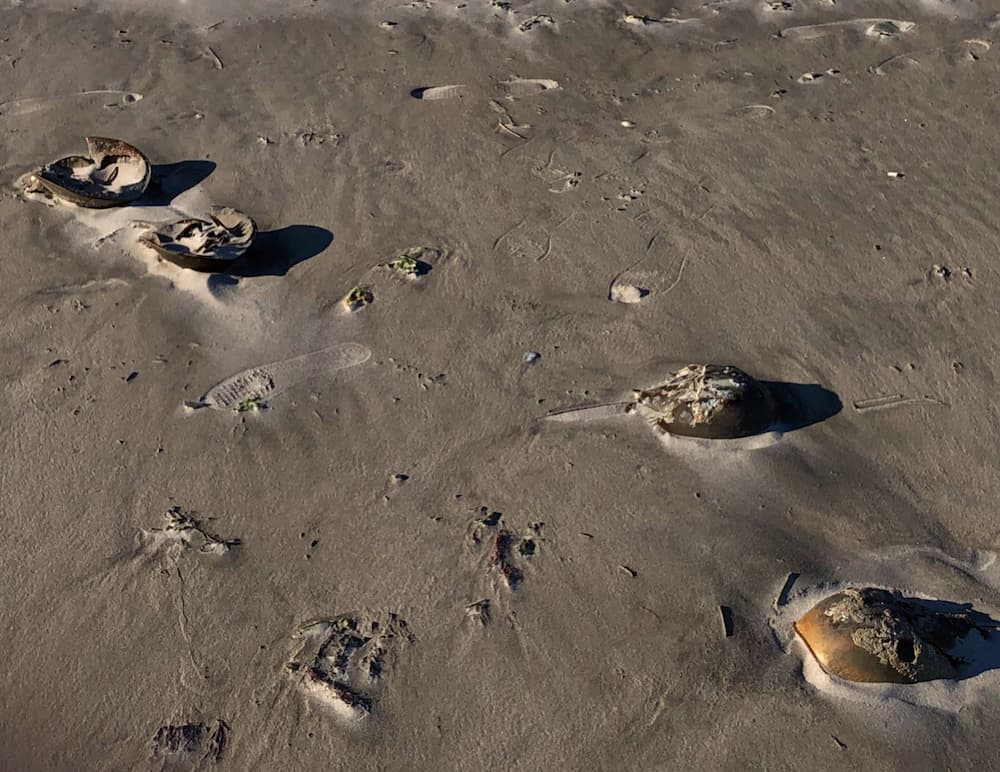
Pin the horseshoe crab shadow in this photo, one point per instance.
(167, 181)
(803, 404)
(979, 651)
(276, 252)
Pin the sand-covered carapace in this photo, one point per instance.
(709, 401)
(873, 635)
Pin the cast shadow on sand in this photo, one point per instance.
(802, 404)
(168, 181)
(276, 252)
(979, 651)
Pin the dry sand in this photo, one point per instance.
(784, 188)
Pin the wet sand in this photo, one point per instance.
(813, 206)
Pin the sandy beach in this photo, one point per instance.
(248, 527)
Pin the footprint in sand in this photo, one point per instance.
(342, 662)
(879, 28)
(754, 111)
(539, 20)
(638, 20)
(28, 105)
(251, 388)
(191, 742)
(816, 77)
(410, 264)
(970, 50)
(888, 29)
(502, 553)
(436, 93)
(558, 180)
(526, 87)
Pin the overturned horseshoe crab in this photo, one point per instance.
(706, 401)
(113, 173)
(202, 245)
(872, 635)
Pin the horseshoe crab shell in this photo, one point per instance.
(710, 401)
(877, 636)
(203, 245)
(113, 173)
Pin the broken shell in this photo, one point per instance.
(114, 173)
(203, 245)
(878, 636)
(710, 401)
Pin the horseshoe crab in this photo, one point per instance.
(709, 401)
(705, 401)
(872, 635)
(113, 173)
(203, 245)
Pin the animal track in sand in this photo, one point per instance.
(27, 105)
(342, 662)
(879, 28)
(252, 387)
(436, 93)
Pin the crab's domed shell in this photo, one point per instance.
(872, 635)
(710, 401)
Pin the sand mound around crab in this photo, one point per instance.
(113, 173)
(872, 635)
(203, 245)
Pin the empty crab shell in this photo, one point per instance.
(203, 245)
(114, 173)
(872, 635)
(710, 401)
